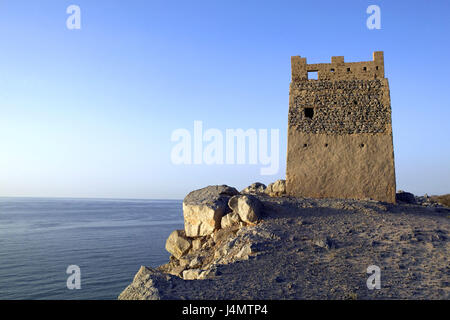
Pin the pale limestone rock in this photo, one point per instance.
(192, 274)
(197, 243)
(185, 261)
(178, 244)
(191, 260)
(247, 207)
(199, 274)
(244, 252)
(230, 220)
(276, 189)
(177, 271)
(203, 209)
(195, 262)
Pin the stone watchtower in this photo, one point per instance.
(340, 132)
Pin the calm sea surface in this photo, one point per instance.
(108, 239)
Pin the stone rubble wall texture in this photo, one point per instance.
(340, 133)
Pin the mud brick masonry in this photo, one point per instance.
(340, 132)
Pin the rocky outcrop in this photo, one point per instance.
(214, 220)
(224, 247)
(215, 233)
(306, 249)
(276, 189)
(247, 207)
(203, 209)
(212, 216)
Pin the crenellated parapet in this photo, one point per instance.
(338, 69)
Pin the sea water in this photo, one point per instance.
(109, 239)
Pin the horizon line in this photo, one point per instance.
(90, 198)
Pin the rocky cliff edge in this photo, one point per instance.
(261, 244)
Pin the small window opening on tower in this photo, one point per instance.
(309, 113)
(313, 75)
(332, 70)
(376, 67)
(348, 69)
(365, 68)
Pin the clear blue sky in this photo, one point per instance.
(90, 112)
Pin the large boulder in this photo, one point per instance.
(255, 188)
(247, 207)
(178, 244)
(405, 197)
(203, 209)
(276, 189)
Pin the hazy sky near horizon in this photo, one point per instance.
(90, 112)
